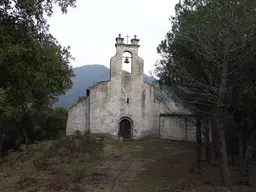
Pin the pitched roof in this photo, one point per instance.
(96, 84)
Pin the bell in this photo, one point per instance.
(126, 60)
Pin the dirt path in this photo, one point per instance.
(124, 178)
(126, 172)
(115, 185)
(159, 168)
(136, 166)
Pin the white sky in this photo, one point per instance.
(92, 27)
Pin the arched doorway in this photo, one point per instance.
(125, 128)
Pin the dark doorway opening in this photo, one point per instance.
(125, 129)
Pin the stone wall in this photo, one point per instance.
(177, 127)
(126, 95)
(78, 117)
(149, 114)
(119, 98)
(103, 102)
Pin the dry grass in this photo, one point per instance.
(52, 165)
(87, 163)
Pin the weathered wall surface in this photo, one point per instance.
(102, 108)
(179, 124)
(174, 122)
(124, 97)
(177, 128)
(146, 116)
(78, 117)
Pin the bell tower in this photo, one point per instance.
(116, 62)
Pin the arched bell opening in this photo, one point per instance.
(127, 62)
(125, 128)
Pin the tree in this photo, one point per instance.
(167, 95)
(244, 116)
(53, 123)
(34, 67)
(203, 58)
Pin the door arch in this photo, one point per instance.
(125, 128)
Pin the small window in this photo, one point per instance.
(127, 100)
(87, 92)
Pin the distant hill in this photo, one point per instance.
(86, 76)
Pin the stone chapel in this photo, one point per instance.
(126, 106)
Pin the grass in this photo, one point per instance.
(134, 143)
(25, 182)
(87, 163)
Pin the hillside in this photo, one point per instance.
(82, 163)
(85, 76)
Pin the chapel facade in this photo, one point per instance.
(126, 106)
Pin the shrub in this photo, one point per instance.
(75, 148)
(25, 182)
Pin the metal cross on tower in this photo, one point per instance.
(127, 36)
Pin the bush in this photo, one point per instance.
(77, 175)
(25, 182)
(76, 148)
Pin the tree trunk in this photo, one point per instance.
(1, 144)
(207, 143)
(245, 164)
(197, 167)
(1, 141)
(27, 141)
(241, 146)
(214, 138)
(233, 159)
(2, 138)
(225, 174)
(246, 160)
(186, 128)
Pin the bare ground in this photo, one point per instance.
(135, 166)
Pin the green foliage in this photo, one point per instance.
(203, 38)
(208, 65)
(34, 71)
(51, 123)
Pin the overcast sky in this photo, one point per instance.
(91, 28)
